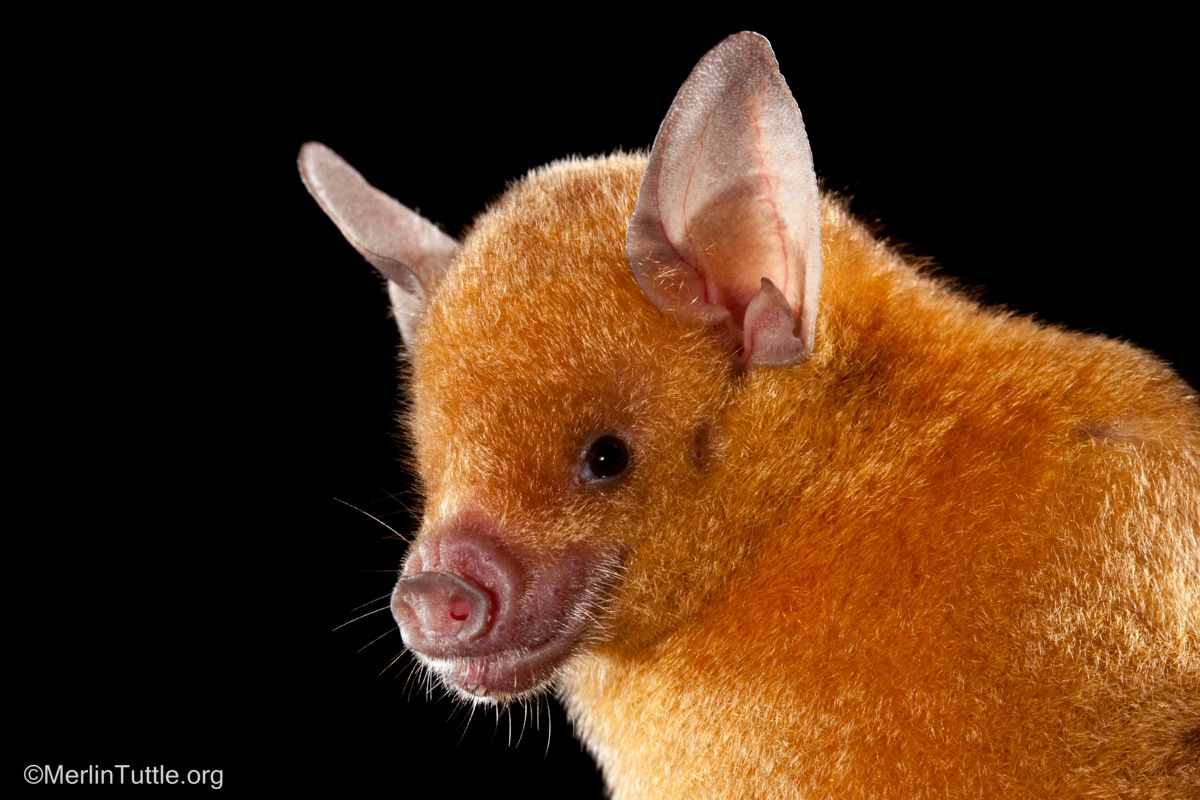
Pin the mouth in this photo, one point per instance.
(505, 675)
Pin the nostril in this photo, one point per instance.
(460, 610)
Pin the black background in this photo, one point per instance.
(204, 372)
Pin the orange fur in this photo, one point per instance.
(954, 553)
(923, 549)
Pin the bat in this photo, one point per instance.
(772, 510)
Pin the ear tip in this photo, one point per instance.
(748, 41)
(748, 37)
(323, 170)
(310, 151)
(313, 153)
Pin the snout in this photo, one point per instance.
(493, 618)
(459, 591)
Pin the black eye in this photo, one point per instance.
(606, 458)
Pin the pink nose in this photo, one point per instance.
(438, 609)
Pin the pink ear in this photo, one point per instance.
(406, 248)
(727, 228)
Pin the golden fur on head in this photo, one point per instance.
(930, 550)
(953, 553)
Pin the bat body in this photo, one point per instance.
(775, 513)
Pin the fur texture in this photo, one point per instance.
(948, 553)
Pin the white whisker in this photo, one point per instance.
(368, 614)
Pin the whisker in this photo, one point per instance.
(395, 659)
(395, 532)
(369, 602)
(367, 614)
(549, 725)
(408, 509)
(470, 716)
(524, 722)
(388, 632)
